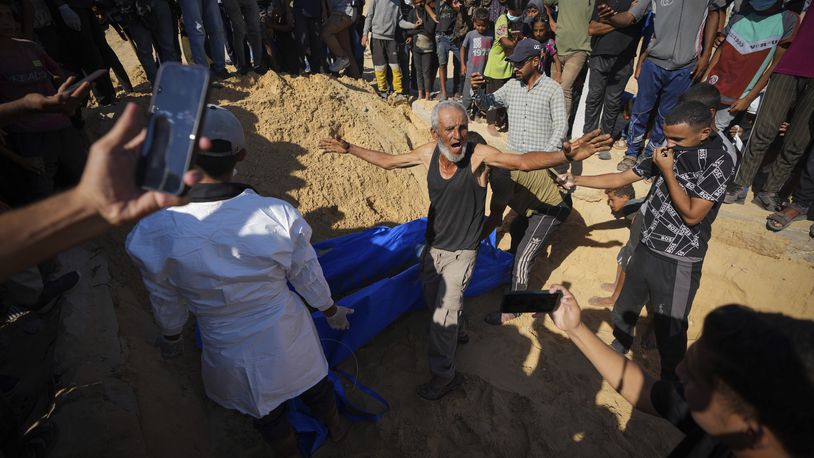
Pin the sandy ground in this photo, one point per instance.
(528, 391)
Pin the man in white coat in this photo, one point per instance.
(228, 257)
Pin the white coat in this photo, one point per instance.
(228, 262)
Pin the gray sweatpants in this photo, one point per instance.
(444, 276)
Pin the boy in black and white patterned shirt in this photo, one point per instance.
(690, 175)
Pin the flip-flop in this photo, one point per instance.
(496, 318)
(432, 392)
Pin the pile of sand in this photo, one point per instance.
(285, 118)
(529, 392)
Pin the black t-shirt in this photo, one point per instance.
(446, 17)
(619, 42)
(703, 172)
(668, 400)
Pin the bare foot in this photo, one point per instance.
(601, 301)
(609, 287)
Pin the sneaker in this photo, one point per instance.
(736, 195)
(626, 164)
(339, 64)
(221, 74)
(260, 69)
(55, 288)
(604, 155)
(242, 71)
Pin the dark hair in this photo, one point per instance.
(480, 15)
(694, 114)
(217, 166)
(764, 363)
(516, 5)
(704, 93)
(623, 191)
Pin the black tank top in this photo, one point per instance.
(456, 205)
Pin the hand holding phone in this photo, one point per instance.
(176, 112)
(530, 302)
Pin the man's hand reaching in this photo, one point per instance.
(61, 102)
(108, 184)
(587, 145)
(335, 145)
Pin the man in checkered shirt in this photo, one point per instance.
(534, 102)
(690, 176)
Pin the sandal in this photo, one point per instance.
(434, 390)
(496, 318)
(767, 200)
(779, 220)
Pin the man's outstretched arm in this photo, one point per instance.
(580, 149)
(386, 161)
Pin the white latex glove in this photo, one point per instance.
(339, 320)
(70, 18)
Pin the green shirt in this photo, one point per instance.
(496, 65)
(572, 25)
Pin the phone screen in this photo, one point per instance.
(90, 78)
(530, 302)
(179, 98)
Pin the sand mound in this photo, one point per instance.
(286, 117)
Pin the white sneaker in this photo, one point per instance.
(339, 64)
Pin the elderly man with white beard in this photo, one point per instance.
(457, 174)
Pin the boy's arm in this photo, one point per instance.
(692, 209)
(743, 103)
(710, 31)
(558, 66)
(604, 181)
(624, 375)
(559, 129)
(597, 28)
(386, 161)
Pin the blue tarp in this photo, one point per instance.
(378, 273)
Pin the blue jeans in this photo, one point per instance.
(444, 45)
(162, 37)
(657, 88)
(201, 20)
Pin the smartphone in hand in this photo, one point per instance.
(176, 111)
(530, 302)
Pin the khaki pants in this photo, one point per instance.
(337, 22)
(444, 276)
(571, 67)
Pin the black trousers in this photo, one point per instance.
(496, 116)
(782, 93)
(804, 195)
(309, 41)
(423, 70)
(530, 237)
(671, 286)
(609, 75)
(274, 427)
(87, 51)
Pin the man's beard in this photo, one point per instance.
(450, 157)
